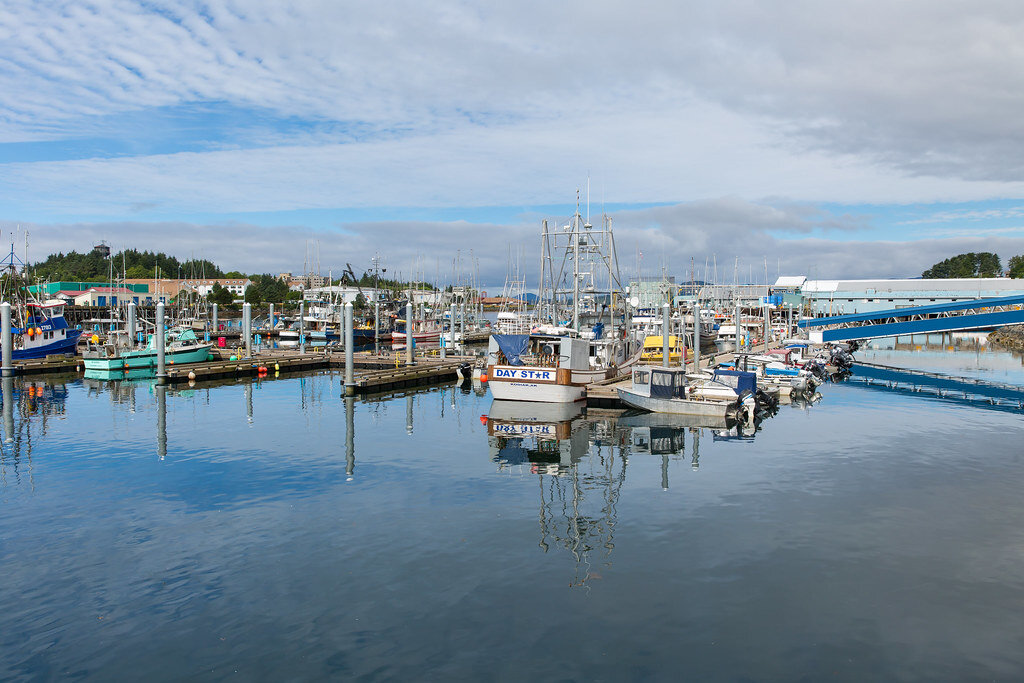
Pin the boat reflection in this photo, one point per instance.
(549, 436)
(580, 460)
(29, 407)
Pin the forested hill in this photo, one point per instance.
(94, 267)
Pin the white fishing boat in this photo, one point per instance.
(669, 390)
(582, 335)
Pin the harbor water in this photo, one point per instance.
(274, 530)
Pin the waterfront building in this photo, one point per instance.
(838, 297)
(104, 295)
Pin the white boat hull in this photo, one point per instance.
(679, 406)
(524, 383)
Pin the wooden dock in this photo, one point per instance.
(371, 373)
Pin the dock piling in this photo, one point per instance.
(350, 385)
(216, 327)
(302, 327)
(271, 318)
(132, 322)
(161, 370)
(247, 328)
(696, 335)
(665, 321)
(409, 360)
(6, 342)
(350, 437)
(739, 334)
(8, 408)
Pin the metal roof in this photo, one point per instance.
(791, 281)
(914, 310)
(956, 286)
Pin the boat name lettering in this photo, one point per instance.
(524, 374)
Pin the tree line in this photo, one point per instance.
(93, 266)
(975, 264)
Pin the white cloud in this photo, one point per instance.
(672, 237)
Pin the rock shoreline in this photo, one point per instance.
(1011, 337)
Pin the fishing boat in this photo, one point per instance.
(553, 365)
(181, 346)
(669, 390)
(43, 331)
(582, 334)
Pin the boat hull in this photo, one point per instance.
(58, 347)
(678, 406)
(148, 358)
(524, 383)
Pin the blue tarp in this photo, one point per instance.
(738, 380)
(512, 345)
(598, 330)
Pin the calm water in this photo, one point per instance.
(245, 531)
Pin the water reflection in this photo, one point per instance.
(581, 459)
(28, 409)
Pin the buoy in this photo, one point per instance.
(276, 367)
(191, 374)
(95, 339)
(483, 420)
(483, 377)
(261, 369)
(233, 358)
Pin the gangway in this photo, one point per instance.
(972, 314)
(1005, 396)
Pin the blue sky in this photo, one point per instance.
(856, 139)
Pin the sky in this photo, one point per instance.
(835, 140)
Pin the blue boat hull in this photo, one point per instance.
(62, 346)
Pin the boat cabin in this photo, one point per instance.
(538, 350)
(656, 382)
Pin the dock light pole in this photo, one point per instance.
(6, 342)
(247, 328)
(409, 359)
(215, 326)
(696, 335)
(161, 371)
(350, 385)
(665, 321)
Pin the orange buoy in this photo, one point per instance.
(483, 377)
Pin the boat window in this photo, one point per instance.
(662, 379)
(640, 377)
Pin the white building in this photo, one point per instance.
(342, 294)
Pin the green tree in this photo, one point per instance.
(1016, 266)
(971, 264)
(360, 302)
(220, 295)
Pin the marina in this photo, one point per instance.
(456, 342)
(480, 519)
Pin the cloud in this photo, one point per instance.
(920, 88)
(738, 236)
